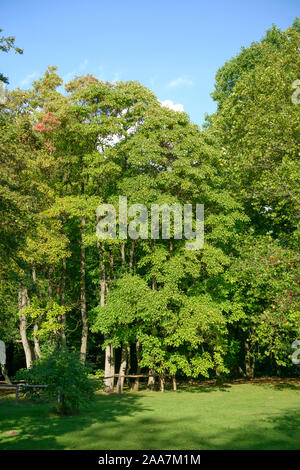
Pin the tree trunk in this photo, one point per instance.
(111, 266)
(37, 350)
(128, 365)
(131, 254)
(122, 370)
(4, 373)
(174, 383)
(50, 286)
(63, 316)
(151, 380)
(23, 301)
(123, 254)
(109, 369)
(112, 368)
(84, 334)
(248, 365)
(138, 370)
(162, 383)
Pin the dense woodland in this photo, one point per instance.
(149, 306)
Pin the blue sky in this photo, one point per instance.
(173, 47)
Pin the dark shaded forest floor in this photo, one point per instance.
(262, 414)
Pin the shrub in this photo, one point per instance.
(66, 377)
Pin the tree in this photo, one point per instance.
(6, 44)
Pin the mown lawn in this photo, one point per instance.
(239, 416)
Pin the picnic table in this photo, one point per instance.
(6, 386)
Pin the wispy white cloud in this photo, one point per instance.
(83, 65)
(180, 81)
(170, 105)
(28, 79)
(107, 75)
(116, 77)
(77, 71)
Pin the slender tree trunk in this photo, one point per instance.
(123, 254)
(62, 294)
(249, 367)
(110, 275)
(174, 383)
(112, 368)
(50, 294)
(23, 301)
(84, 334)
(109, 368)
(128, 365)
(37, 349)
(162, 383)
(109, 371)
(34, 278)
(111, 266)
(102, 276)
(122, 370)
(138, 370)
(131, 255)
(151, 380)
(50, 285)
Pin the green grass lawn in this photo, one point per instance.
(239, 416)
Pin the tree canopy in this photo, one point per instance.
(149, 305)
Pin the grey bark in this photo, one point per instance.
(248, 365)
(23, 301)
(37, 349)
(84, 334)
(151, 380)
(131, 255)
(138, 370)
(63, 319)
(109, 370)
(123, 254)
(174, 383)
(122, 369)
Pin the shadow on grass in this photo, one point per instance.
(275, 433)
(281, 431)
(279, 385)
(38, 428)
(134, 421)
(191, 387)
(286, 386)
(204, 387)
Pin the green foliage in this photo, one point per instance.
(231, 307)
(65, 375)
(6, 44)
